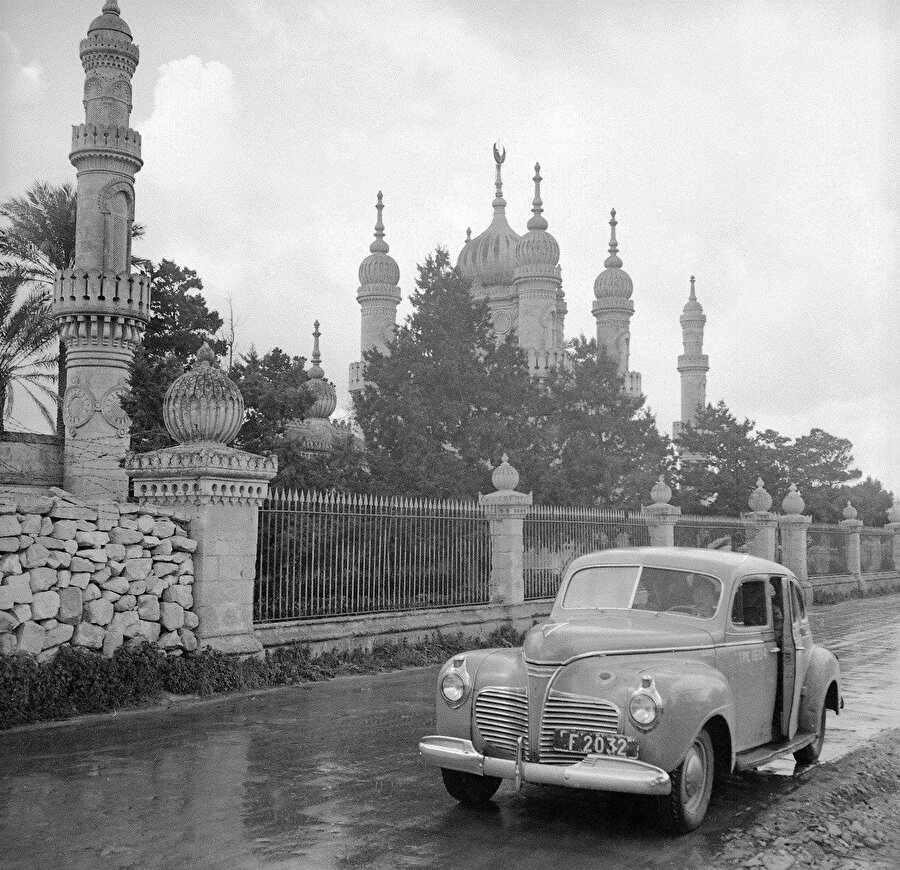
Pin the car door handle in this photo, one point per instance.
(774, 652)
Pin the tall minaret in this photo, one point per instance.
(538, 285)
(100, 308)
(378, 298)
(613, 310)
(693, 364)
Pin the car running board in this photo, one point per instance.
(754, 758)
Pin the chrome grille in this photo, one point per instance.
(537, 671)
(501, 716)
(563, 710)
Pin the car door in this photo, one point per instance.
(749, 660)
(797, 649)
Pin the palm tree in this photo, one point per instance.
(26, 329)
(38, 242)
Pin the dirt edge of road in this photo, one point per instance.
(844, 816)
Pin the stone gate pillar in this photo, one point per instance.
(100, 307)
(793, 537)
(852, 526)
(894, 526)
(661, 516)
(506, 510)
(220, 489)
(761, 524)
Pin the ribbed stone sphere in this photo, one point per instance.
(759, 499)
(379, 268)
(537, 248)
(204, 404)
(661, 492)
(505, 476)
(326, 399)
(613, 283)
(490, 259)
(793, 502)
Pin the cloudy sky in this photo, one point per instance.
(753, 144)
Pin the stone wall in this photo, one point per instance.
(30, 462)
(96, 577)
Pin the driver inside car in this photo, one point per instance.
(706, 596)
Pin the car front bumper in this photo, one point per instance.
(598, 772)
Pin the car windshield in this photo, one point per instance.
(629, 587)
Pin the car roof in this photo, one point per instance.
(723, 564)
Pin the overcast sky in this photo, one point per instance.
(752, 144)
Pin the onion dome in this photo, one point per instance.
(325, 396)
(203, 405)
(692, 306)
(537, 248)
(490, 259)
(109, 21)
(379, 267)
(613, 282)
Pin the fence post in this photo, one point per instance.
(661, 516)
(506, 509)
(220, 489)
(793, 538)
(894, 526)
(852, 526)
(761, 523)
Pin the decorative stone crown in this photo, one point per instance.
(203, 405)
(537, 251)
(379, 268)
(505, 477)
(759, 500)
(613, 282)
(793, 503)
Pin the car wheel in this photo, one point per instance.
(684, 808)
(470, 788)
(810, 754)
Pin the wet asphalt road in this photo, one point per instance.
(327, 776)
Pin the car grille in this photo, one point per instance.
(563, 710)
(501, 716)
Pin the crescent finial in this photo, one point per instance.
(499, 154)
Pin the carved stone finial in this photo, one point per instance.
(693, 296)
(203, 405)
(499, 157)
(850, 512)
(759, 500)
(537, 221)
(613, 261)
(379, 246)
(793, 502)
(505, 477)
(112, 7)
(661, 492)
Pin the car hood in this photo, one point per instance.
(612, 632)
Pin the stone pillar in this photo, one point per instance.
(894, 526)
(852, 526)
(100, 308)
(506, 509)
(220, 489)
(661, 516)
(761, 524)
(793, 535)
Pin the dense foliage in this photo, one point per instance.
(439, 412)
(79, 681)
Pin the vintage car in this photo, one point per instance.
(658, 669)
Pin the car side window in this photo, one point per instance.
(749, 608)
(797, 603)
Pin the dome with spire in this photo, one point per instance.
(325, 396)
(613, 282)
(692, 306)
(490, 259)
(379, 267)
(109, 21)
(537, 248)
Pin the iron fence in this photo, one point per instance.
(876, 550)
(330, 554)
(553, 536)
(826, 550)
(711, 533)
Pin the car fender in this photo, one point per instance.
(823, 670)
(692, 694)
(500, 666)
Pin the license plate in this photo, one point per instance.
(594, 743)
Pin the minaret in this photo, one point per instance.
(100, 308)
(378, 296)
(538, 285)
(613, 310)
(693, 364)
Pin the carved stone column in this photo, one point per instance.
(852, 526)
(506, 510)
(661, 516)
(220, 489)
(761, 524)
(793, 537)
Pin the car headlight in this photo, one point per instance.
(643, 709)
(453, 687)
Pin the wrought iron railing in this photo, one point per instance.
(329, 554)
(553, 536)
(711, 533)
(826, 550)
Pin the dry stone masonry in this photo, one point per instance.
(97, 577)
